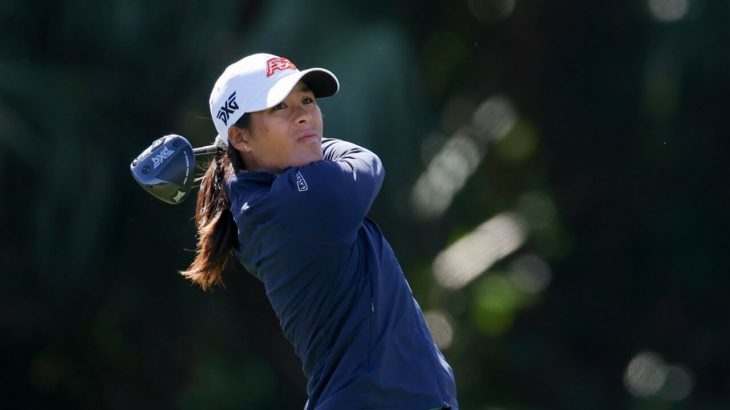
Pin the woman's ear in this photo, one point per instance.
(239, 138)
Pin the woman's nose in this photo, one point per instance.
(303, 114)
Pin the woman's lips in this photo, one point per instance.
(307, 136)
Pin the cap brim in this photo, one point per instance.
(322, 83)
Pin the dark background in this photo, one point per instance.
(601, 136)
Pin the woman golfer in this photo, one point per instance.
(291, 207)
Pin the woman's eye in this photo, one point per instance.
(308, 100)
(279, 106)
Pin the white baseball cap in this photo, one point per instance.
(258, 82)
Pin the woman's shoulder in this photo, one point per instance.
(250, 192)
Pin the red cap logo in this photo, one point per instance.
(278, 63)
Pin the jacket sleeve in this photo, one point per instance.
(330, 198)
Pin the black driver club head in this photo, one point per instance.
(166, 169)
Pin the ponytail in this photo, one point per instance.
(217, 232)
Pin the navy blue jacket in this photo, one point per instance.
(336, 286)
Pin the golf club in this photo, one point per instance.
(166, 169)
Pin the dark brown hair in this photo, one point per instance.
(217, 232)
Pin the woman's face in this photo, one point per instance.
(286, 135)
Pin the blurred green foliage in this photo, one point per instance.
(614, 159)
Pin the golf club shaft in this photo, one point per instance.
(208, 149)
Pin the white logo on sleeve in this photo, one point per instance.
(301, 183)
(245, 206)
